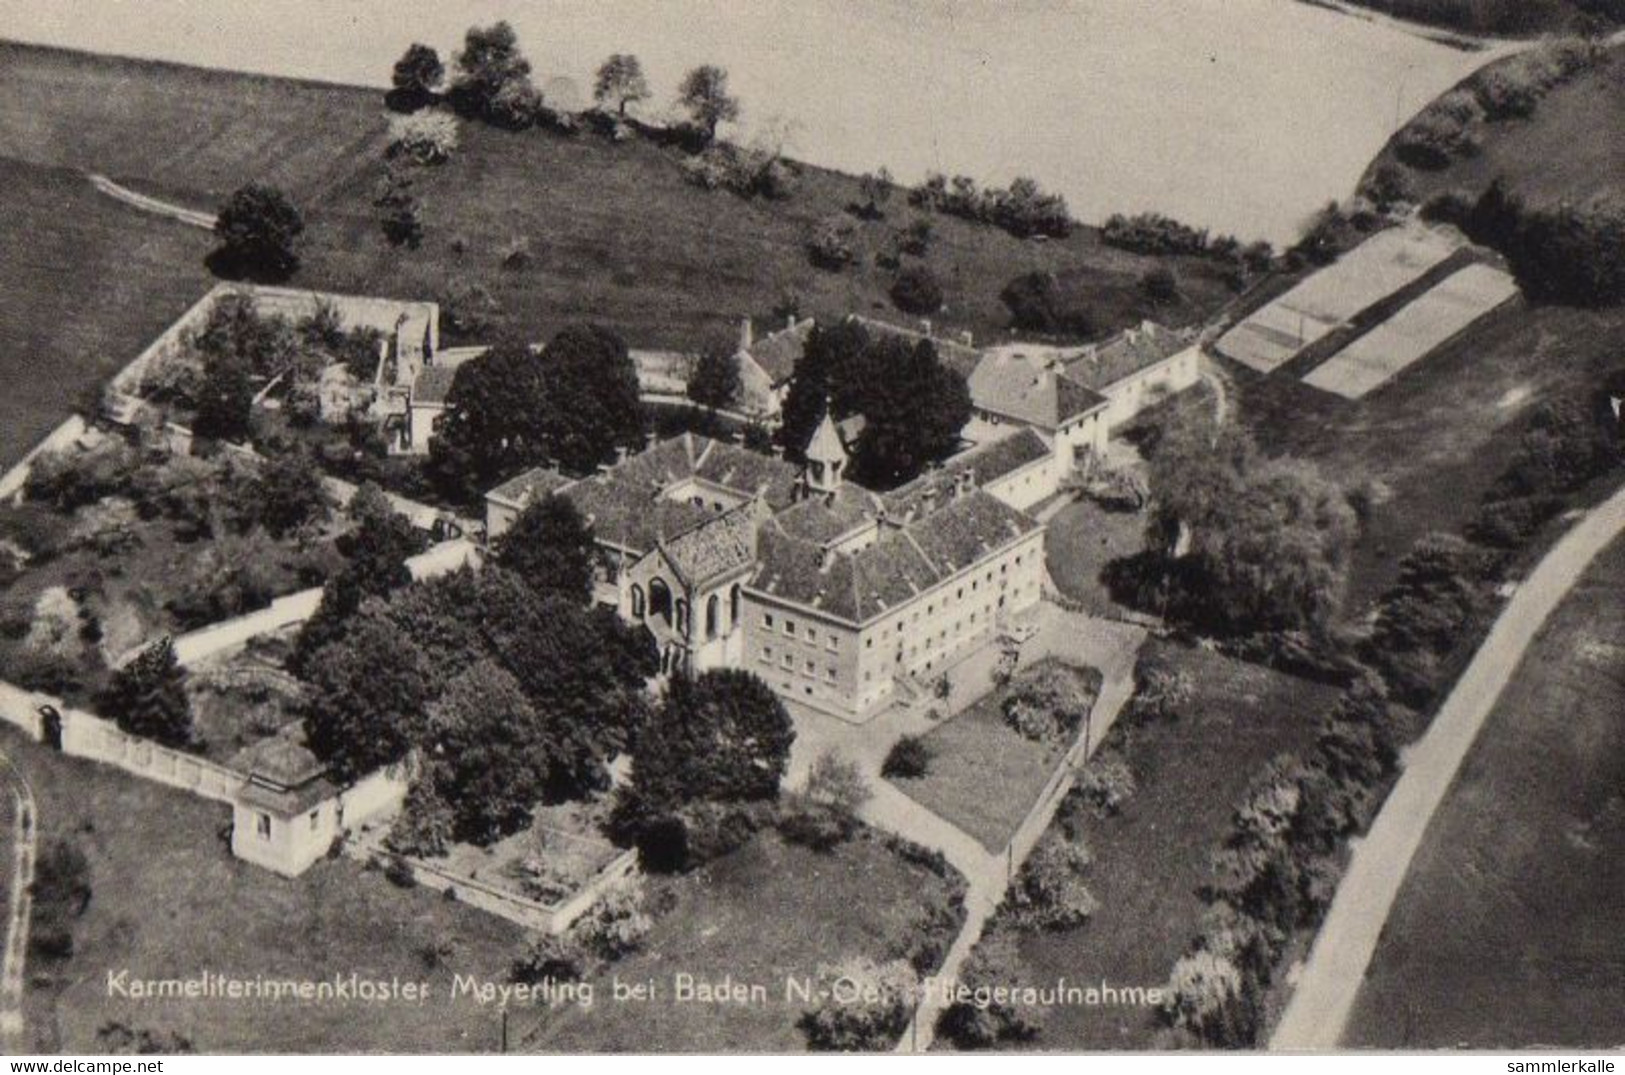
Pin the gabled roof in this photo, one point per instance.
(1133, 350)
(778, 352)
(1025, 389)
(826, 517)
(986, 463)
(903, 563)
(533, 484)
(722, 544)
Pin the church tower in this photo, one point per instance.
(826, 458)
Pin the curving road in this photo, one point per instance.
(1320, 1005)
(21, 904)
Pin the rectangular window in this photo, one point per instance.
(787, 661)
(790, 628)
(829, 674)
(767, 653)
(262, 825)
(767, 619)
(831, 643)
(812, 634)
(810, 669)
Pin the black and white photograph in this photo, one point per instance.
(739, 527)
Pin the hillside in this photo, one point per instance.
(614, 232)
(1572, 147)
(1502, 18)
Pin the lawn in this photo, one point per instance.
(85, 284)
(1573, 147)
(1081, 540)
(169, 901)
(984, 775)
(614, 232)
(1506, 932)
(1151, 859)
(769, 911)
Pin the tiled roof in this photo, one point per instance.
(1134, 350)
(902, 564)
(626, 505)
(825, 518)
(433, 384)
(1025, 389)
(280, 761)
(533, 484)
(722, 544)
(777, 353)
(986, 463)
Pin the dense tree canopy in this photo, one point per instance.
(913, 405)
(715, 381)
(489, 65)
(417, 75)
(550, 547)
(512, 408)
(369, 688)
(1257, 544)
(375, 552)
(225, 400)
(259, 231)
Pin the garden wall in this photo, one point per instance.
(542, 917)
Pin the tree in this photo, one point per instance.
(376, 551)
(551, 548)
(620, 79)
(914, 408)
(704, 92)
(908, 758)
(289, 493)
(863, 1006)
(723, 736)
(225, 401)
(828, 376)
(369, 688)
(147, 697)
(426, 138)
(400, 213)
(715, 381)
(833, 244)
(837, 783)
(1036, 303)
(917, 291)
(417, 75)
(259, 231)
(1206, 998)
(994, 962)
(489, 751)
(511, 408)
(489, 64)
(876, 188)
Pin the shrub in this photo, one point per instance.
(1023, 209)
(1444, 131)
(863, 1006)
(61, 892)
(909, 758)
(1049, 892)
(814, 825)
(1107, 783)
(1153, 233)
(147, 697)
(916, 291)
(1205, 997)
(36, 668)
(1388, 185)
(1160, 285)
(428, 137)
(1036, 304)
(833, 244)
(837, 783)
(469, 309)
(550, 957)
(72, 478)
(399, 873)
(973, 1024)
(1048, 703)
(423, 828)
(617, 923)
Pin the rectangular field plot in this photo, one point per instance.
(1375, 269)
(1444, 310)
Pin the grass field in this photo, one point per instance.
(764, 913)
(1573, 146)
(1510, 915)
(984, 775)
(615, 233)
(1151, 858)
(170, 901)
(85, 284)
(1081, 540)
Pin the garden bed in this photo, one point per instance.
(547, 863)
(984, 776)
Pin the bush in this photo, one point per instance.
(34, 668)
(550, 957)
(994, 962)
(1049, 892)
(1205, 997)
(1160, 285)
(1048, 703)
(428, 137)
(833, 244)
(1107, 783)
(399, 873)
(1036, 304)
(617, 923)
(72, 478)
(909, 759)
(864, 1006)
(814, 825)
(61, 894)
(916, 291)
(837, 783)
(1153, 233)
(1023, 209)
(1444, 131)
(469, 309)
(1388, 186)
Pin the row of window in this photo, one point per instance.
(832, 641)
(787, 661)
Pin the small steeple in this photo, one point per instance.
(826, 457)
